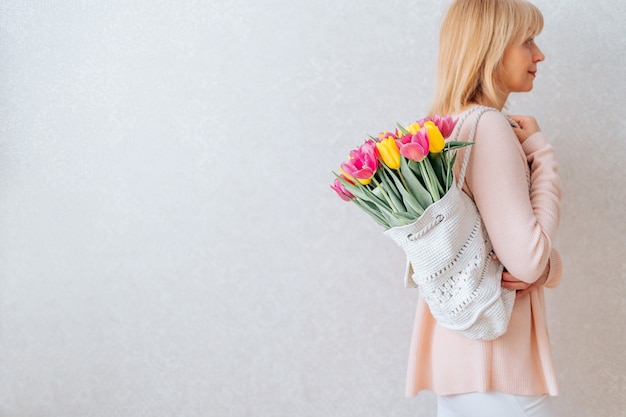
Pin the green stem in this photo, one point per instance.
(432, 188)
(449, 165)
(406, 187)
(447, 172)
(382, 190)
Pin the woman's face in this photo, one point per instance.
(519, 66)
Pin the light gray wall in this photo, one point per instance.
(169, 245)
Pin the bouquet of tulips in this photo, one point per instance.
(404, 180)
(396, 176)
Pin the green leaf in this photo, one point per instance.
(450, 172)
(402, 129)
(415, 187)
(400, 186)
(408, 216)
(455, 145)
(392, 191)
(417, 170)
(437, 162)
(391, 219)
(361, 191)
(409, 200)
(377, 207)
(432, 190)
(434, 178)
(373, 211)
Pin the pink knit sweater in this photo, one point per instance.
(521, 223)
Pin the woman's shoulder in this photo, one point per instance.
(494, 117)
(487, 121)
(484, 116)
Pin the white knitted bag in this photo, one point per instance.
(451, 257)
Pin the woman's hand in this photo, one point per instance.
(527, 126)
(510, 282)
(521, 287)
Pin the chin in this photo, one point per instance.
(524, 89)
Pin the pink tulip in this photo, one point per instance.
(445, 124)
(414, 147)
(363, 163)
(341, 190)
(424, 120)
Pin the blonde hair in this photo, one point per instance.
(474, 36)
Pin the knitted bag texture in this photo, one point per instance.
(450, 254)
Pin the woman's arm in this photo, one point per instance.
(520, 221)
(550, 278)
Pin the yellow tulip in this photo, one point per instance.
(435, 138)
(389, 152)
(413, 128)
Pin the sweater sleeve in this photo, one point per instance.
(556, 270)
(520, 220)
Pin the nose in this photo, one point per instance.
(538, 56)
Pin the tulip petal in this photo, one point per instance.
(389, 152)
(435, 138)
(413, 151)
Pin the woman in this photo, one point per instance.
(487, 51)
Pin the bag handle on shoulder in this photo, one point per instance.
(479, 110)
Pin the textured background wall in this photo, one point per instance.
(169, 245)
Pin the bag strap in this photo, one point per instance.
(479, 110)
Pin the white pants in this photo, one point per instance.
(494, 404)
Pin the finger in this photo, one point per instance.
(526, 290)
(518, 286)
(506, 276)
(510, 281)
